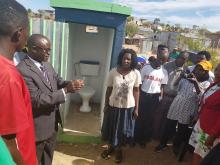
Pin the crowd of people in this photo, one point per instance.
(173, 98)
(159, 100)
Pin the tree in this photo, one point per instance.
(157, 21)
(197, 45)
(29, 11)
(203, 31)
(131, 29)
(130, 19)
(214, 55)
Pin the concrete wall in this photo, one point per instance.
(94, 47)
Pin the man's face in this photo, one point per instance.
(200, 58)
(156, 64)
(22, 34)
(163, 54)
(180, 61)
(42, 50)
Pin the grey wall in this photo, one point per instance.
(94, 47)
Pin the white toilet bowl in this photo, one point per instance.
(86, 93)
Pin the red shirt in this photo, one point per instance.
(16, 111)
(210, 114)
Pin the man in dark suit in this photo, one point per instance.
(47, 90)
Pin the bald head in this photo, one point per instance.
(181, 59)
(183, 54)
(36, 39)
(38, 47)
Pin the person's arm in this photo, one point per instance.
(163, 83)
(196, 85)
(107, 95)
(136, 93)
(162, 91)
(41, 99)
(176, 82)
(12, 147)
(109, 88)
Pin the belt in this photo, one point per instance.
(150, 94)
(169, 95)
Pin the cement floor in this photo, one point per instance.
(81, 123)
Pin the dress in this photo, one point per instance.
(15, 110)
(186, 103)
(209, 121)
(118, 122)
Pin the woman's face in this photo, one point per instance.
(199, 72)
(126, 60)
(217, 73)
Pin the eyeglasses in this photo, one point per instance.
(45, 50)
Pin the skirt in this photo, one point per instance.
(197, 140)
(118, 126)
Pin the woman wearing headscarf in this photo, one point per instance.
(184, 106)
(206, 132)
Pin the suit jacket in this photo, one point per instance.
(45, 97)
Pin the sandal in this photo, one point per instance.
(118, 156)
(106, 154)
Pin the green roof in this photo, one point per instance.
(91, 5)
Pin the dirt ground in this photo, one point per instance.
(89, 154)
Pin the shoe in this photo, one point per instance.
(132, 143)
(106, 154)
(142, 144)
(118, 156)
(160, 148)
(175, 151)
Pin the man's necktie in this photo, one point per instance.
(44, 71)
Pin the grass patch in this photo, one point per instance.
(62, 137)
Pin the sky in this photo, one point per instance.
(205, 13)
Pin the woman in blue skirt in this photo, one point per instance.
(121, 104)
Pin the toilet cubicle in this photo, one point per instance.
(95, 49)
(102, 47)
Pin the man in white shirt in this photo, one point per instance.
(153, 77)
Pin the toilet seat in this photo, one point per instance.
(86, 93)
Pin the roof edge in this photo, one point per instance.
(91, 5)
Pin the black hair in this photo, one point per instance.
(12, 15)
(161, 47)
(154, 62)
(152, 59)
(133, 57)
(204, 53)
(183, 54)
